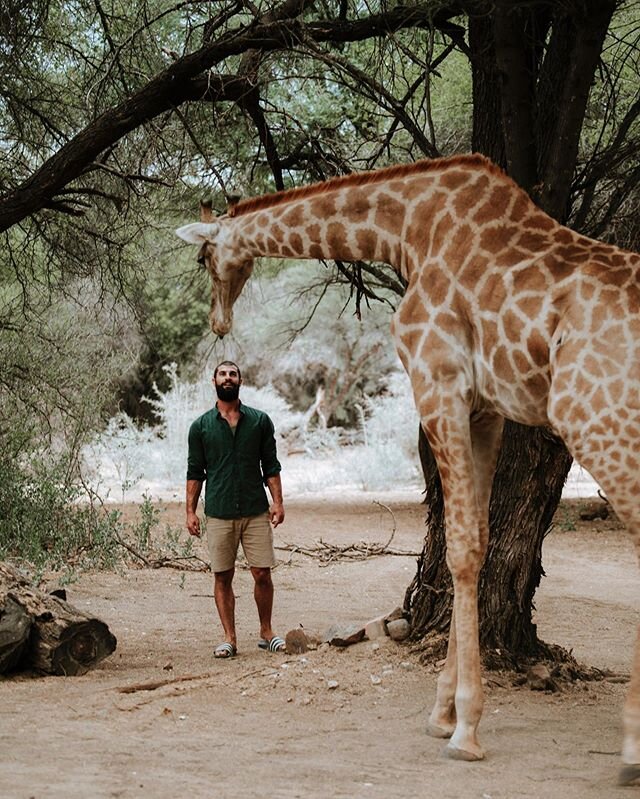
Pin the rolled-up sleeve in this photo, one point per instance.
(268, 451)
(196, 463)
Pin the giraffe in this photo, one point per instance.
(507, 314)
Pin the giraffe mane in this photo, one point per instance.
(361, 179)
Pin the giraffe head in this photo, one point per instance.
(229, 268)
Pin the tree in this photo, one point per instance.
(112, 110)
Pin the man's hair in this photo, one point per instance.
(226, 363)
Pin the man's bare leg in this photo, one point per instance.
(226, 604)
(263, 594)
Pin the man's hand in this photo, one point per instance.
(193, 524)
(276, 514)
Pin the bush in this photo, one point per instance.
(42, 522)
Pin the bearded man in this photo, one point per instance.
(232, 448)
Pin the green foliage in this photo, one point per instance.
(41, 521)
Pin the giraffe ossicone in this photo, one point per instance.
(507, 314)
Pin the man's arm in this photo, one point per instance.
(276, 511)
(194, 487)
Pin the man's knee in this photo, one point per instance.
(224, 579)
(262, 576)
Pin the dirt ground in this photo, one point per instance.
(271, 725)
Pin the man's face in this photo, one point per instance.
(227, 383)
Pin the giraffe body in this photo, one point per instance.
(507, 314)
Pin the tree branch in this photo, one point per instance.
(175, 85)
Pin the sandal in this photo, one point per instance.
(225, 650)
(276, 644)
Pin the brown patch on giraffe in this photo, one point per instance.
(513, 326)
(458, 248)
(531, 305)
(418, 230)
(493, 293)
(367, 241)
(278, 233)
(295, 216)
(287, 252)
(496, 237)
(572, 253)
(412, 310)
(502, 365)
(447, 322)
(510, 257)
(390, 213)
(521, 207)
(263, 220)
(538, 348)
(532, 241)
(537, 385)
(471, 274)
(323, 207)
(539, 221)
(273, 246)
(357, 208)
(454, 178)
(297, 243)
(531, 278)
(593, 367)
(489, 332)
(558, 268)
(440, 233)
(387, 252)
(522, 363)
(563, 235)
(436, 284)
(615, 277)
(465, 200)
(495, 206)
(316, 251)
(337, 240)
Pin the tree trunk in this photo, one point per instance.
(42, 632)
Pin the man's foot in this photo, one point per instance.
(275, 644)
(225, 650)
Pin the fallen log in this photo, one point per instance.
(43, 632)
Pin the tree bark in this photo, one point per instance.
(42, 632)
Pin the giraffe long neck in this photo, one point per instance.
(358, 223)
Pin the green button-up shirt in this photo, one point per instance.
(235, 466)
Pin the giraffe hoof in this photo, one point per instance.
(439, 731)
(455, 753)
(629, 774)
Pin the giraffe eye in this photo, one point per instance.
(201, 260)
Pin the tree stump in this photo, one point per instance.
(43, 632)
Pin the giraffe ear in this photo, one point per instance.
(198, 232)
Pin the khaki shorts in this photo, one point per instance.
(255, 534)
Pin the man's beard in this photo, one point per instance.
(227, 393)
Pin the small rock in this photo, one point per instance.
(332, 684)
(296, 642)
(406, 665)
(396, 614)
(338, 635)
(376, 628)
(539, 678)
(399, 629)
(375, 680)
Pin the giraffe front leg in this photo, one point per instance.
(469, 696)
(467, 475)
(442, 719)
